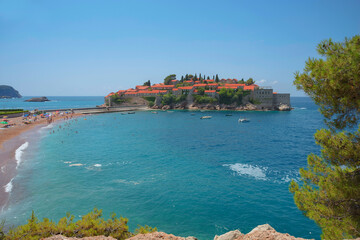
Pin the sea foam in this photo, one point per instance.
(48, 126)
(248, 170)
(8, 187)
(19, 152)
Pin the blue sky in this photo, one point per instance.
(77, 48)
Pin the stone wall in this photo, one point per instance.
(281, 98)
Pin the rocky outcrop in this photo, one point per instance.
(229, 235)
(262, 232)
(61, 237)
(209, 106)
(158, 236)
(8, 92)
(166, 107)
(37, 99)
(284, 107)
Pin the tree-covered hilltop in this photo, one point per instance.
(201, 78)
(8, 92)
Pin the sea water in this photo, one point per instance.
(54, 103)
(172, 170)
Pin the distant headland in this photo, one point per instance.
(192, 92)
(8, 92)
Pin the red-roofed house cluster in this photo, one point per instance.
(264, 96)
(210, 86)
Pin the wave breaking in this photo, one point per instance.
(19, 152)
(8, 187)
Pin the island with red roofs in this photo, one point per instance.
(192, 92)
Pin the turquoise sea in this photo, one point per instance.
(171, 170)
(54, 103)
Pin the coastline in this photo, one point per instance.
(13, 141)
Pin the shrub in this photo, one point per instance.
(91, 224)
(204, 99)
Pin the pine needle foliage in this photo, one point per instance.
(333, 81)
(329, 189)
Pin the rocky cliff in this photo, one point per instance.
(8, 92)
(262, 232)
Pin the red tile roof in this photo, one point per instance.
(234, 85)
(250, 87)
(186, 88)
(200, 85)
(147, 91)
(142, 87)
(163, 86)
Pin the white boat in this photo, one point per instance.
(243, 120)
(206, 117)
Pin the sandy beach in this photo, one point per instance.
(13, 138)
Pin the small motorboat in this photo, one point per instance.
(228, 115)
(154, 112)
(243, 120)
(131, 112)
(205, 117)
(192, 114)
(123, 113)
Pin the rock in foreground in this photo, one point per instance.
(159, 235)
(38, 99)
(61, 237)
(262, 232)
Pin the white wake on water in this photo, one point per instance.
(19, 152)
(249, 170)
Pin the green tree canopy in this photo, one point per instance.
(147, 83)
(167, 80)
(201, 91)
(250, 81)
(329, 191)
(333, 81)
